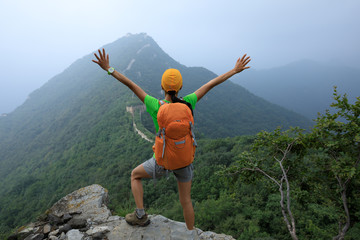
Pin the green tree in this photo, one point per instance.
(273, 155)
(337, 137)
(318, 169)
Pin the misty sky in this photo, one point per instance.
(40, 38)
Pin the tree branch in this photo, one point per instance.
(264, 173)
(288, 201)
(283, 208)
(343, 231)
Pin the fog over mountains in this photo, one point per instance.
(304, 87)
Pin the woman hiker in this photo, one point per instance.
(171, 83)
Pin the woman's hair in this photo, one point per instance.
(175, 99)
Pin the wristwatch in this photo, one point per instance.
(110, 70)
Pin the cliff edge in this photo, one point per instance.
(83, 215)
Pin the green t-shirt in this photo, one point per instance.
(152, 106)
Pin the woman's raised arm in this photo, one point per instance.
(239, 67)
(104, 63)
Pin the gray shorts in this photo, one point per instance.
(182, 175)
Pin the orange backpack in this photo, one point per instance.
(175, 142)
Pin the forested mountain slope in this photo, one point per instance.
(75, 130)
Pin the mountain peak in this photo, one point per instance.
(143, 35)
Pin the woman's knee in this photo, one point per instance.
(134, 174)
(138, 173)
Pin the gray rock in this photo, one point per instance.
(47, 228)
(66, 217)
(74, 234)
(62, 236)
(214, 236)
(98, 236)
(54, 220)
(54, 233)
(98, 229)
(38, 236)
(160, 228)
(90, 201)
(65, 228)
(113, 218)
(27, 230)
(85, 210)
(29, 237)
(77, 223)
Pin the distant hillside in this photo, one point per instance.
(304, 87)
(75, 129)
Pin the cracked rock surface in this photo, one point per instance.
(83, 215)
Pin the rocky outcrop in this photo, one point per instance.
(83, 215)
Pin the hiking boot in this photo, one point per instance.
(132, 219)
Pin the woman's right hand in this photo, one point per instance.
(241, 64)
(102, 60)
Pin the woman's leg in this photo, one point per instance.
(185, 200)
(139, 217)
(136, 185)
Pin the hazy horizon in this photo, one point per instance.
(41, 38)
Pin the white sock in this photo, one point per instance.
(140, 213)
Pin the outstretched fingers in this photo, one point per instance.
(242, 62)
(98, 59)
(246, 61)
(101, 54)
(243, 57)
(102, 59)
